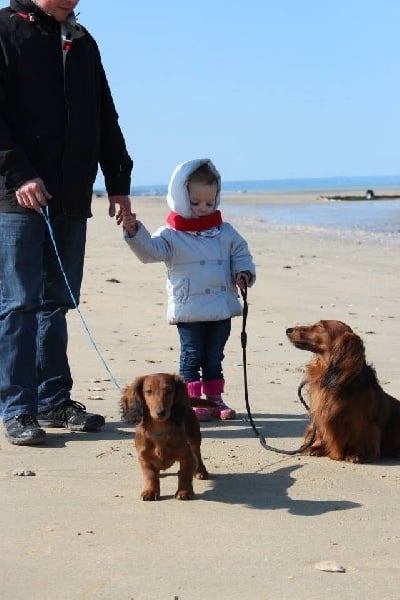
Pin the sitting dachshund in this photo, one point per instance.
(168, 432)
(353, 418)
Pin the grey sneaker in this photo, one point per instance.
(73, 416)
(24, 430)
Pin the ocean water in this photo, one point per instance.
(262, 186)
(374, 216)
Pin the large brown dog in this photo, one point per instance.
(168, 432)
(354, 419)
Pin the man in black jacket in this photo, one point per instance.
(58, 123)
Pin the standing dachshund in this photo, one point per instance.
(354, 419)
(168, 432)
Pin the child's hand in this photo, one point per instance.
(242, 279)
(129, 223)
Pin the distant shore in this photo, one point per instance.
(360, 198)
(272, 197)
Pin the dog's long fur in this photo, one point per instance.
(168, 432)
(355, 419)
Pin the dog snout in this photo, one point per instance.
(161, 412)
(289, 330)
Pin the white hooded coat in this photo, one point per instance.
(201, 271)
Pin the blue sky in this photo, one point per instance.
(266, 89)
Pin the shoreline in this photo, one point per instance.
(247, 209)
(290, 197)
(301, 195)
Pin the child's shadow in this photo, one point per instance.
(268, 491)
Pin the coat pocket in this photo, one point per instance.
(179, 290)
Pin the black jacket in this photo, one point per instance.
(55, 123)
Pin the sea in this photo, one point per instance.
(373, 216)
(277, 186)
(378, 216)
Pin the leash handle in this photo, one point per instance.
(243, 335)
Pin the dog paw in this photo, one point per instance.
(201, 474)
(355, 458)
(149, 495)
(315, 451)
(183, 495)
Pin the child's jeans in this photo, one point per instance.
(202, 349)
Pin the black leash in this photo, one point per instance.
(263, 441)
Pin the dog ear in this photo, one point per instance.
(346, 362)
(139, 400)
(132, 402)
(181, 399)
(137, 388)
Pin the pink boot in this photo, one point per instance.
(194, 391)
(213, 390)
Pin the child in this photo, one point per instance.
(206, 259)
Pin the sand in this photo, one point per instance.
(76, 528)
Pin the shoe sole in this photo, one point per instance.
(92, 425)
(28, 442)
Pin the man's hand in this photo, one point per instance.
(33, 194)
(124, 203)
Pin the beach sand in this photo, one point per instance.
(77, 530)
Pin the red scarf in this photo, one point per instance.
(200, 224)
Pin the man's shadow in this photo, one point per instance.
(111, 432)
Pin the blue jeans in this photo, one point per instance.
(34, 300)
(202, 349)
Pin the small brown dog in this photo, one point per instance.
(168, 432)
(354, 419)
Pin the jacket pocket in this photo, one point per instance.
(179, 290)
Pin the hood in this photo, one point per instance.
(178, 195)
(29, 7)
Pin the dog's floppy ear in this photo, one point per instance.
(132, 401)
(346, 362)
(181, 399)
(137, 388)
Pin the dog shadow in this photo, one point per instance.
(268, 491)
(268, 425)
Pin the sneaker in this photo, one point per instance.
(72, 415)
(222, 411)
(24, 430)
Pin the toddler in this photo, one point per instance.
(206, 258)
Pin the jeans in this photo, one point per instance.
(202, 349)
(34, 300)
